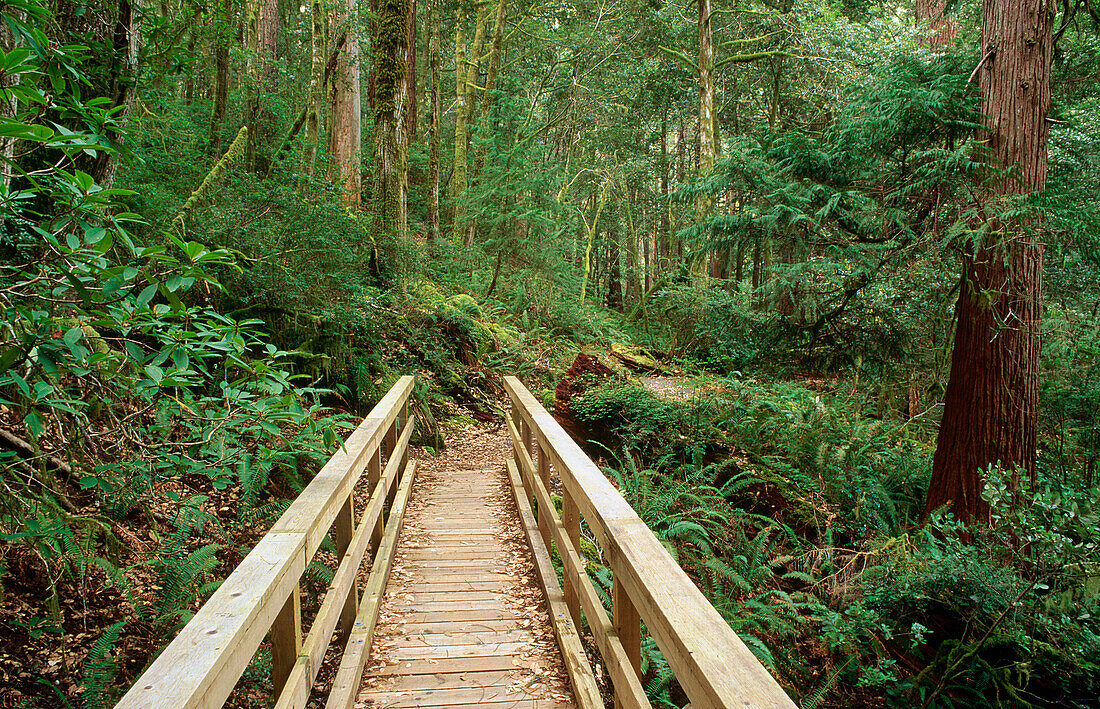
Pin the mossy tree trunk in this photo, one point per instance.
(487, 101)
(433, 130)
(264, 38)
(389, 187)
(467, 63)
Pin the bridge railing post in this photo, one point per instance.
(286, 639)
(628, 626)
(344, 529)
(571, 520)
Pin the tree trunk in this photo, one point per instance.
(487, 99)
(221, 84)
(466, 76)
(9, 108)
(590, 238)
(614, 270)
(943, 29)
(265, 37)
(316, 86)
(410, 72)
(666, 205)
(346, 135)
(708, 140)
(124, 76)
(990, 407)
(433, 134)
(389, 186)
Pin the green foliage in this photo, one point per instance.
(100, 668)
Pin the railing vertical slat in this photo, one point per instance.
(286, 639)
(571, 520)
(544, 515)
(627, 625)
(405, 413)
(345, 530)
(374, 474)
(391, 446)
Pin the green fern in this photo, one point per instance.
(818, 695)
(182, 582)
(100, 668)
(121, 582)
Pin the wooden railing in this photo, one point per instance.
(262, 596)
(711, 663)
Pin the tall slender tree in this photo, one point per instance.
(433, 130)
(990, 407)
(263, 26)
(316, 86)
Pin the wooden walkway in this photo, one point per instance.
(464, 620)
(462, 604)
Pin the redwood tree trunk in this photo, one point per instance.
(943, 26)
(990, 408)
(346, 135)
(316, 86)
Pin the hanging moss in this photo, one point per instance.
(233, 154)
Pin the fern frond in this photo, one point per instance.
(100, 668)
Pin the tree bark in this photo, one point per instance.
(9, 108)
(708, 140)
(465, 80)
(942, 25)
(458, 169)
(992, 394)
(346, 135)
(410, 72)
(487, 100)
(221, 85)
(124, 76)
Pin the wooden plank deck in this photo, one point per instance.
(464, 620)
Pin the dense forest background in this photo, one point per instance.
(775, 243)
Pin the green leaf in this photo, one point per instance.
(9, 357)
(155, 373)
(73, 336)
(24, 131)
(34, 424)
(147, 294)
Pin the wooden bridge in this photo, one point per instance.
(444, 617)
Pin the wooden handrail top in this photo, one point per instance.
(711, 662)
(202, 665)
